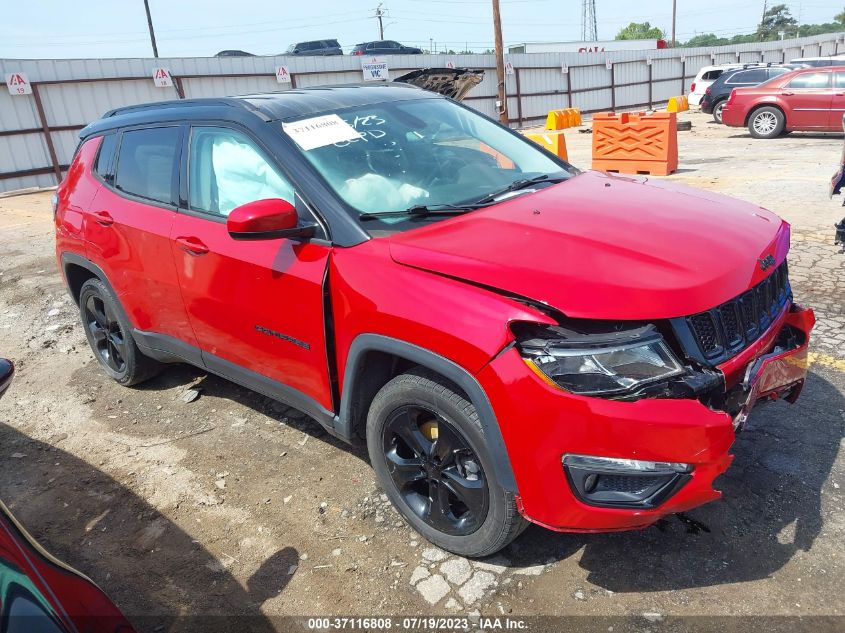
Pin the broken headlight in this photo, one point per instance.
(598, 364)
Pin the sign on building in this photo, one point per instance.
(18, 84)
(162, 78)
(282, 74)
(374, 68)
(509, 68)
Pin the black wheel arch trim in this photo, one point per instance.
(364, 343)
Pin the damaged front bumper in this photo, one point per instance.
(593, 464)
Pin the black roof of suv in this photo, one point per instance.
(271, 106)
(749, 75)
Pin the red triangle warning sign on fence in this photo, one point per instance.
(162, 78)
(18, 84)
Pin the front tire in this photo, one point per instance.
(109, 335)
(428, 450)
(766, 122)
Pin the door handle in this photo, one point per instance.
(787, 94)
(192, 245)
(103, 218)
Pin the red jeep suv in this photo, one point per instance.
(513, 339)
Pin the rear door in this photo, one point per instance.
(837, 103)
(255, 305)
(128, 230)
(808, 97)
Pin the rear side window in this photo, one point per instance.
(810, 80)
(103, 167)
(756, 76)
(839, 79)
(711, 75)
(332, 44)
(146, 163)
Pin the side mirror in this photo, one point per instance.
(7, 370)
(265, 220)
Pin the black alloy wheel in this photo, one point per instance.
(435, 470)
(107, 334)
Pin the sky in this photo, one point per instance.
(118, 28)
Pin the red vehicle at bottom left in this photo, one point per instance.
(39, 593)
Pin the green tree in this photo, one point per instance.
(777, 19)
(705, 39)
(640, 31)
(840, 18)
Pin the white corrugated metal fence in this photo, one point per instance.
(38, 131)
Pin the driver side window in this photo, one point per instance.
(226, 170)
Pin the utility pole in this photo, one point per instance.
(500, 63)
(150, 24)
(674, 14)
(380, 13)
(762, 19)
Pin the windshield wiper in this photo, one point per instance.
(422, 210)
(522, 183)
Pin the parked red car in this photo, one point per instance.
(808, 99)
(513, 339)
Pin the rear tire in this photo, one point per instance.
(766, 122)
(717, 111)
(428, 450)
(109, 334)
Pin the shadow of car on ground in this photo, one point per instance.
(160, 578)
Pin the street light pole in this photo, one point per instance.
(150, 24)
(500, 64)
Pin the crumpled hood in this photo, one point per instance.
(606, 247)
(454, 83)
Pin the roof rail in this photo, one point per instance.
(181, 103)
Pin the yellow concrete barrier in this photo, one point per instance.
(677, 104)
(554, 142)
(563, 118)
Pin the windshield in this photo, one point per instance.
(390, 157)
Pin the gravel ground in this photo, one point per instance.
(231, 504)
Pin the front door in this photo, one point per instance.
(254, 305)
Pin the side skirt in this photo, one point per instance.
(168, 349)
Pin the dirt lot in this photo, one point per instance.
(233, 504)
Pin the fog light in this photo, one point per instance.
(616, 482)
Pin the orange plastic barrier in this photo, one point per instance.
(562, 119)
(554, 142)
(636, 143)
(677, 104)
